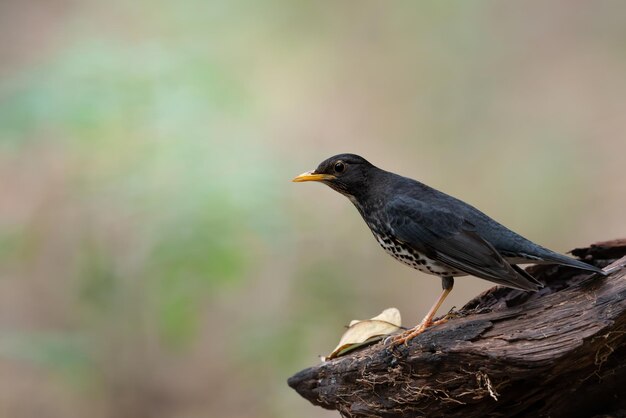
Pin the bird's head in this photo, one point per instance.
(349, 174)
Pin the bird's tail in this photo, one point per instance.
(571, 262)
(531, 283)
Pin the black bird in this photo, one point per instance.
(433, 232)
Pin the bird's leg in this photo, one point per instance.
(446, 283)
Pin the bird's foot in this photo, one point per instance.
(408, 335)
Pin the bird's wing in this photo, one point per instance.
(448, 238)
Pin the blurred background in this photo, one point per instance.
(156, 261)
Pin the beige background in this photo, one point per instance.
(156, 261)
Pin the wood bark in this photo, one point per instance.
(559, 352)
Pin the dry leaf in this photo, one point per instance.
(362, 332)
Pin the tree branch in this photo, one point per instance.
(557, 352)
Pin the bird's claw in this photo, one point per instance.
(408, 335)
(405, 337)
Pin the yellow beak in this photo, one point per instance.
(312, 176)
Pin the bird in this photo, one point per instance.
(434, 232)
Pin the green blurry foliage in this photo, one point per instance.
(65, 353)
(161, 137)
(143, 131)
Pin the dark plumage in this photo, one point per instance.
(432, 231)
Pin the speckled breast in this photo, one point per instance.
(413, 258)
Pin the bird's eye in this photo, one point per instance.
(339, 167)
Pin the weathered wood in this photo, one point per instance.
(559, 352)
